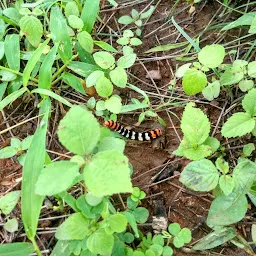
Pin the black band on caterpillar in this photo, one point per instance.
(132, 135)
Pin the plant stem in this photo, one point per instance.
(38, 252)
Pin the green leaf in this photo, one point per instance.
(252, 29)
(178, 242)
(61, 248)
(75, 22)
(141, 214)
(79, 131)
(126, 61)
(215, 239)
(200, 175)
(53, 95)
(245, 85)
(12, 51)
(114, 104)
(115, 223)
(89, 17)
(1, 49)
(32, 62)
(232, 75)
(252, 69)
(73, 81)
(110, 143)
(30, 202)
(16, 249)
(197, 130)
(32, 27)
(213, 143)
(71, 9)
(12, 13)
(11, 225)
(226, 210)
(174, 228)
(45, 72)
(212, 91)
(59, 32)
(56, 178)
(166, 47)
(244, 175)
(7, 75)
(118, 77)
(8, 152)
(105, 46)
(93, 77)
(75, 226)
(25, 144)
(85, 40)
(222, 165)
(132, 107)
(83, 69)
(135, 41)
(185, 233)
(126, 20)
(148, 13)
(9, 201)
(123, 40)
(248, 149)
(127, 50)
(99, 173)
(245, 19)
(104, 59)
(167, 251)
(104, 87)
(131, 220)
(100, 243)
(196, 153)
(182, 69)
(238, 125)
(10, 98)
(212, 55)
(249, 103)
(193, 81)
(227, 184)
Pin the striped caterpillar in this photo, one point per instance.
(130, 134)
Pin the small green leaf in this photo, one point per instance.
(12, 13)
(226, 210)
(141, 214)
(249, 102)
(135, 41)
(114, 104)
(85, 40)
(238, 125)
(185, 233)
(232, 75)
(126, 61)
(32, 28)
(104, 59)
(93, 200)
(127, 50)
(104, 87)
(116, 223)
(212, 91)
(212, 55)
(105, 46)
(227, 184)
(75, 226)
(73, 81)
(7, 76)
(75, 22)
(148, 13)
(200, 175)
(99, 173)
(178, 241)
(71, 9)
(126, 20)
(194, 81)
(252, 29)
(118, 77)
(83, 69)
(182, 69)
(167, 251)
(245, 85)
(79, 131)
(222, 165)
(8, 152)
(93, 77)
(11, 225)
(252, 69)
(174, 228)
(56, 178)
(123, 41)
(9, 201)
(248, 149)
(110, 143)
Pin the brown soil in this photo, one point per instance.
(186, 207)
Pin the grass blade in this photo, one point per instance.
(53, 95)
(89, 14)
(34, 163)
(32, 62)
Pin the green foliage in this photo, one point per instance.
(196, 143)
(9, 201)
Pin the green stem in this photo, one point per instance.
(38, 252)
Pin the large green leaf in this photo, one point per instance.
(32, 27)
(215, 239)
(238, 125)
(212, 55)
(196, 130)
(226, 210)
(12, 51)
(16, 249)
(59, 32)
(200, 175)
(249, 102)
(30, 202)
(75, 227)
(56, 178)
(108, 173)
(193, 81)
(79, 131)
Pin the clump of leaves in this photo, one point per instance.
(242, 123)
(136, 18)
(196, 143)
